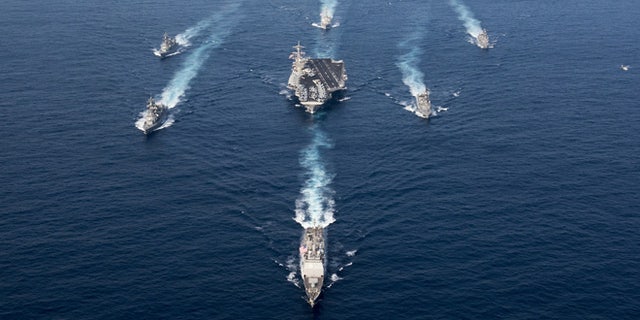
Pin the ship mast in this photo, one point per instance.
(299, 53)
(298, 57)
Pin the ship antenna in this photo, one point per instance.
(298, 48)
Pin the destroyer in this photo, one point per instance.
(312, 260)
(168, 46)
(483, 39)
(325, 20)
(314, 80)
(423, 104)
(154, 117)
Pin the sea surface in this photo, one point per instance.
(518, 199)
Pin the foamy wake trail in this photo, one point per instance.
(315, 206)
(466, 16)
(328, 8)
(183, 38)
(222, 23)
(412, 77)
(324, 49)
(326, 45)
(140, 122)
(293, 269)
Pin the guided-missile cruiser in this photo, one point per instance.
(314, 80)
(154, 117)
(168, 46)
(325, 20)
(423, 104)
(483, 39)
(312, 262)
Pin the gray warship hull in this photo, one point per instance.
(312, 262)
(150, 127)
(154, 117)
(483, 40)
(423, 104)
(325, 20)
(168, 47)
(164, 54)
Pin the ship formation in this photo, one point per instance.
(168, 46)
(312, 262)
(482, 39)
(314, 80)
(155, 115)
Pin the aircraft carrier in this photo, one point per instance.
(312, 262)
(314, 80)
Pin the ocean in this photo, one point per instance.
(518, 199)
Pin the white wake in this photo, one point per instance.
(412, 77)
(328, 9)
(473, 25)
(293, 269)
(327, 43)
(184, 38)
(223, 21)
(466, 16)
(315, 206)
(172, 94)
(408, 63)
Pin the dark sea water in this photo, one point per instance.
(521, 201)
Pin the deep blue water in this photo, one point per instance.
(521, 201)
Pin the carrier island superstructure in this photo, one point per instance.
(312, 262)
(314, 80)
